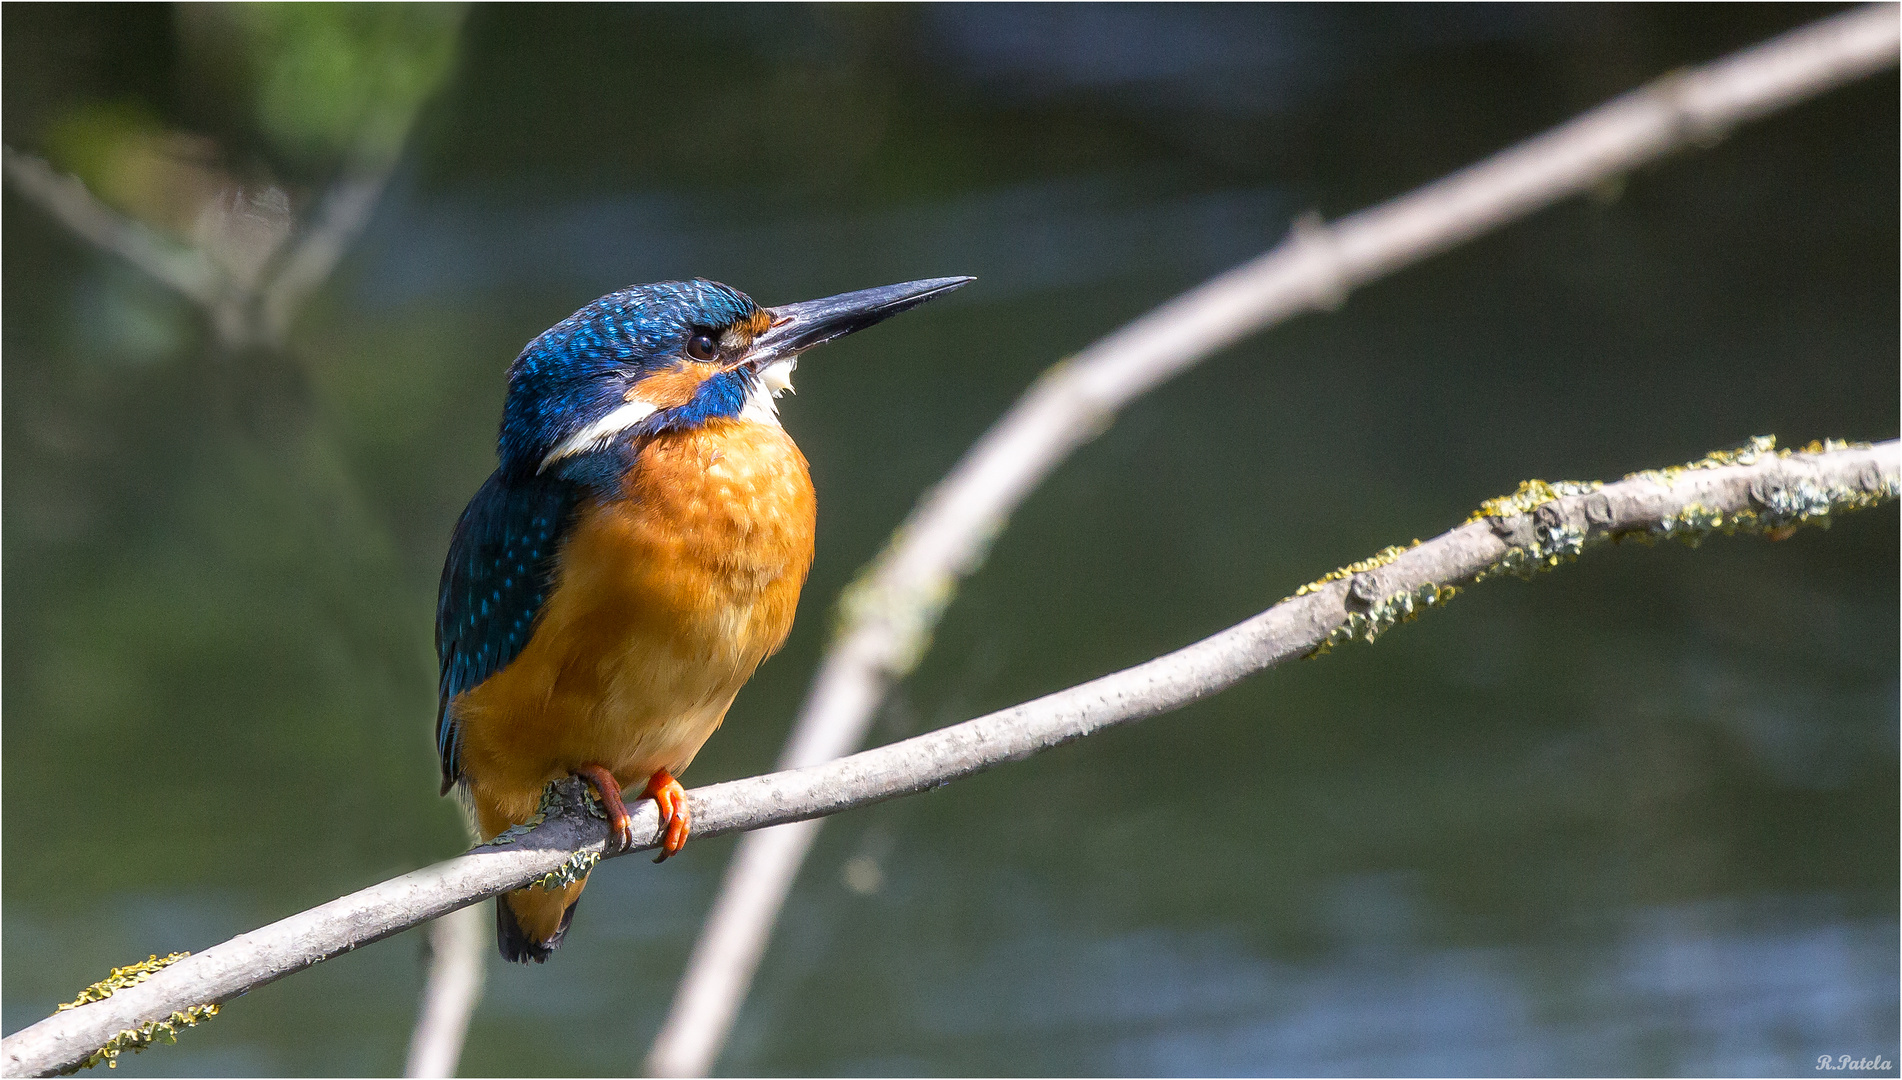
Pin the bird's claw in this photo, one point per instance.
(621, 833)
(620, 822)
(675, 819)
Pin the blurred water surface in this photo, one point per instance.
(1637, 816)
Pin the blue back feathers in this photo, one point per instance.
(501, 562)
(502, 558)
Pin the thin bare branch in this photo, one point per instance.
(1755, 490)
(338, 220)
(889, 615)
(458, 953)
(66, 198)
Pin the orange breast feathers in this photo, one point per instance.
(665, 600)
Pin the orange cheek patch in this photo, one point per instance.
(670, 389)
(756, 324)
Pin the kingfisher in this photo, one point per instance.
(636, 554)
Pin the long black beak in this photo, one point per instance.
(798, 327)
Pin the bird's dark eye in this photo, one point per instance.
(701, 346)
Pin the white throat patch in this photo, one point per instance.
(773, 380)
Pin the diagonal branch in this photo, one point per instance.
(1756, 489)
(66, 198)
(458, 953)
(243, 310)
(889, 615)
(340, 217)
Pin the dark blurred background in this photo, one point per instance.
(1636, 816)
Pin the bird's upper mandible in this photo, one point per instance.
(666, 356)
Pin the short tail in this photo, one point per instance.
(518, 945)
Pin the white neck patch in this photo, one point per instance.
(601, 431)
(773, 380)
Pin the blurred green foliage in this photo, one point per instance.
(334, 79)
(321, 86)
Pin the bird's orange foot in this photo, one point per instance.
(620, 822)
(674, 818)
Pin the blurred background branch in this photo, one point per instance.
(459, 945)
(887, 616)
(66, 198)
(1755, 489)
(329, 86)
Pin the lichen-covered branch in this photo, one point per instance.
(1756, 489)
(888, 616)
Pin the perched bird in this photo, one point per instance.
(635, 555)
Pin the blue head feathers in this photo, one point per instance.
(580, 370)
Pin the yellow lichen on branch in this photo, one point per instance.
(1531, 495)
(575, 869)
(122, 977)
(1776, 507)
(1776, 511)
(1377, 559)
(163, 1032)
(135, 1039)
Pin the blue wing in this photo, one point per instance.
(501, 568)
